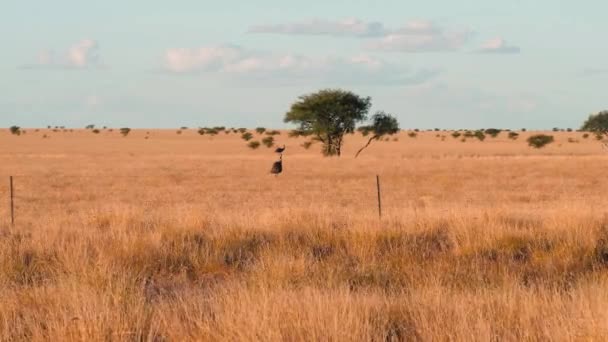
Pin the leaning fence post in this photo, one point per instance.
(379, 197)
(12, 201)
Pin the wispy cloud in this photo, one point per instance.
(499, 46)
(237, 62)
(81, 55)
(414, 36)
(343, 28)
(422, 36)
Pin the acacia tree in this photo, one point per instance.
(382, 124)
(328, 115)
(597, 123)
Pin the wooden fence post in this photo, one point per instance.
(12, 190)
(379, 197)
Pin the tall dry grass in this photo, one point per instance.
(183, 237)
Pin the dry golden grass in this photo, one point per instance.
(187, 237)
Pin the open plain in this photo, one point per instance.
(162, 236)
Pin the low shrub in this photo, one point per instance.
(268, 141)
(540, 140)
(247, 136)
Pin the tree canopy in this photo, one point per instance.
(382, 124)
(597, 123)
(328, 115)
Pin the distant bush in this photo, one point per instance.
(523, 129)
(268, 141)
(555, 129)
(242, 130)
(90, 127)
(416, 130)
(307, 144)
(599, 136)
(15, 130)
(480, 135)
(568, 129)
(513, 135)
(298, 133)
(202, 131)
(493, 132)
(586, 135)
(179, 132)
(253, 145)
(540, 140)
(125, 131)
(572, 140)
(273, 132)
(412, 134)
(260, 130)
(364, 130)
(219, 128)
(456, 135)
(247, 136)
(183, 128)
(95, 131)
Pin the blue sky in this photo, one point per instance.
(448, 64)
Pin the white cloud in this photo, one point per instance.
(414, 36)
(348, 27)
(498, 45)
(237, 62)
(81, 55)
(422, 41)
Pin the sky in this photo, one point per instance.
(164, 64)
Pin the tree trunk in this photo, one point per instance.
(366, 145)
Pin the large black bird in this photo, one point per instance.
(280, 149)
(277, 167)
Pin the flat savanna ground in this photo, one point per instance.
(187, 237)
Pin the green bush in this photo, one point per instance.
(412, 134)
(307, 144)
(268, 141)
(513, 135)
(540, 140)
(125, 131)
(273, 132)
(493, 132)
(456, 135)
(260, 130)
(480, 135)
(15, 130)
(95, 131)
(247, 136)
(586, 135)
(253, 145)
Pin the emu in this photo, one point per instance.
(280, 149)
(277, 167)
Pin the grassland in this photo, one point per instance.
(187, 237)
